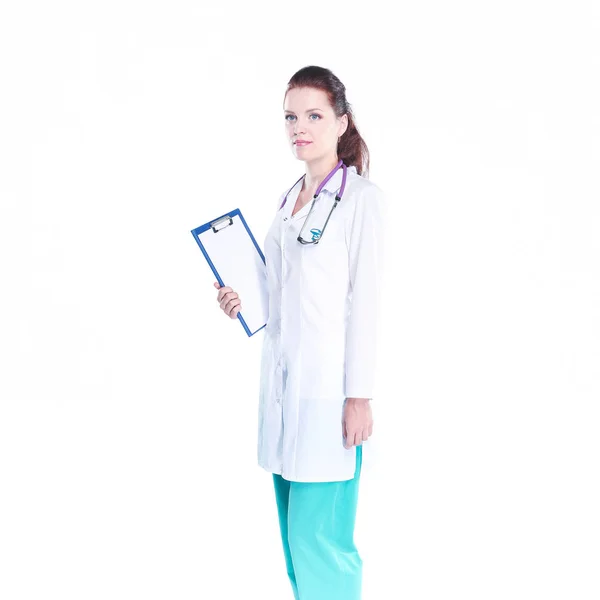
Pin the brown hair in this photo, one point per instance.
(352, 149)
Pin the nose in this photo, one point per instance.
(298, 127)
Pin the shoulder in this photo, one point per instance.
(364, 194)
(365, 187)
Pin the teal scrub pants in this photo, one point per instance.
(316, 521)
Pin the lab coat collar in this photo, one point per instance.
(331, 187)
(335, 183)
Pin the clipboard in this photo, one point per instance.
(238, 262)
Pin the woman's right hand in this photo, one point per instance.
(230, 302)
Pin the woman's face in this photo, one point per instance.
(309, 117)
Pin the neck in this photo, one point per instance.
(317, 170)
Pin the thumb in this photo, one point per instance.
(216, 284)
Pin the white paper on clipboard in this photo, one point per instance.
(238, 262)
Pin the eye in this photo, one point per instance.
(312, 115)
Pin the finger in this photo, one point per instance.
(231, 305)
(216, 284)
(371, 429)
(365, 435)
(227, 298)
(358, 438)
(222, 296)
(350, 439)
(345, 433)
(222, 291)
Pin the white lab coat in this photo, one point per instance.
(320, 341)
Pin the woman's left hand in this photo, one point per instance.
(357, 423)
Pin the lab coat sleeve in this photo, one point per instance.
(365, 261)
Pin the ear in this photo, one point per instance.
(343, 125)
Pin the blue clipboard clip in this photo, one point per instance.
(217, 225)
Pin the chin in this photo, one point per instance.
(301, 155)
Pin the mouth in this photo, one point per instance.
(302, 143)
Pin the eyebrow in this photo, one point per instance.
(309, 110)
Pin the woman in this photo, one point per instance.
(319, 346)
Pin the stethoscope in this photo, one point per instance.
(317, 234)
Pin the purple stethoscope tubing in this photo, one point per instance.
(331, 174)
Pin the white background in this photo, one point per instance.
(129, 400)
